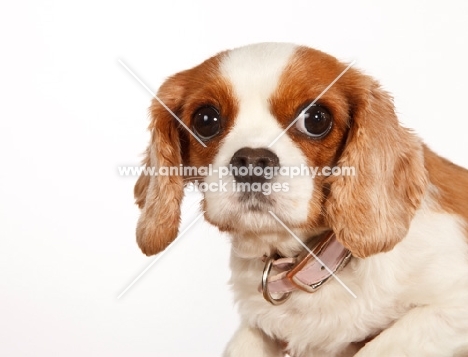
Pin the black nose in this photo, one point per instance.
(252, 165)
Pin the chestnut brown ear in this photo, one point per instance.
(371, 211)
(159, 197)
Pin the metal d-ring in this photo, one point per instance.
(266, 293)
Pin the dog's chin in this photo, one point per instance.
(250, 213)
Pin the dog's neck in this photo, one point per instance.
(249, 245)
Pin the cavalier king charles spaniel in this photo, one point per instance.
(349, 235)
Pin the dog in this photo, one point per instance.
(369, 263)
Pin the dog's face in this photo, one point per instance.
(241, 105)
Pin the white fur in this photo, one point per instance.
(250, 341)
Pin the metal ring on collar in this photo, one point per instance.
(266, 293)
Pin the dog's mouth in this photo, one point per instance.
(255, 201)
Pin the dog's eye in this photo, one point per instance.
(206, 122)
(316, 121)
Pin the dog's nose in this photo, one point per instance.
(251, 165)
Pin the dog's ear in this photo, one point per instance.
(159, 197)
(371, 210)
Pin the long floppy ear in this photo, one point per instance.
(159, 197)
(371, 210)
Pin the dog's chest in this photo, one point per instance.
(327, 320)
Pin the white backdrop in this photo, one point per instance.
(70, 115)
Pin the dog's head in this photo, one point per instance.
(345, 164)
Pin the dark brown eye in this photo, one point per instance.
(206, 122)
(315, 121)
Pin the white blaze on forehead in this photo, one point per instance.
(254, 70)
